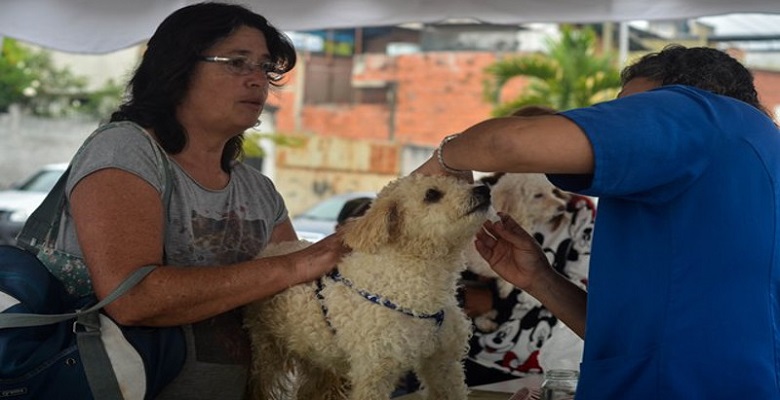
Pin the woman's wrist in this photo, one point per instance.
(440, 155)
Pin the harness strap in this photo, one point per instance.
(438, 317)
(324, 306)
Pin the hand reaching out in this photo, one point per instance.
(319, 258)
(512, 252)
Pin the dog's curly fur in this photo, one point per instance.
(408, 249)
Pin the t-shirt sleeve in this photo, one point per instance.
(264, 191)
(278, 202)
(648, 146)
(123, 146)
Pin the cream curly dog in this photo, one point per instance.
(390, 307)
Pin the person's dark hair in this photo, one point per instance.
(353, 208)
(163, 77)
(702, 67)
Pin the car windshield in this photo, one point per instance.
(328, 210)
(43, 181)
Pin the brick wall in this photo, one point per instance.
(437, 93)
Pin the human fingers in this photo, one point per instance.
(430, 167)
(467, 176)
(484, 243)
(507, 229)
(433, 167)
(484, 248)
(334, 244)
(507, 220)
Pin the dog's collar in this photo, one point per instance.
(336, 276)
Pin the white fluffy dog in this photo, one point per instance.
(390, 308)
(531, 200)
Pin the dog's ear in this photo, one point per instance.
(379, 226)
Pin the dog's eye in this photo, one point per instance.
(433, 195)
(539, 195)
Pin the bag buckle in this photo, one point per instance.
(89, 321)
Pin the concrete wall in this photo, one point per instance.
(324, 166)
(27, 142)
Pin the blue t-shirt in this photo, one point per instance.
(683, 286)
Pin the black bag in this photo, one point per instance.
(56, 346)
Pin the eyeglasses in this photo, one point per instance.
(240, 65)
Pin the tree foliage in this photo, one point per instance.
(29, 78)
(569, 75)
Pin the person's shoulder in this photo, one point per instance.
(693, 92)
(121, 134)
(121, 127)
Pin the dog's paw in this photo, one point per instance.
(486, 322)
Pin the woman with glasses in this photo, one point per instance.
(203, 81)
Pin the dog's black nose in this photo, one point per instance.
(482, 192)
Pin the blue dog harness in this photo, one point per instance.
(374, 298)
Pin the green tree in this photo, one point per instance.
(569, 75)
(253, 149)
(28, 77)
(15, 76)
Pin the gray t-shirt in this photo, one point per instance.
(204, 227)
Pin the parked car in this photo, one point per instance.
(320, 220)
(18, 202)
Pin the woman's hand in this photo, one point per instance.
(319, 258)
(512, 252)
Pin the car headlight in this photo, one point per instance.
(18, 216)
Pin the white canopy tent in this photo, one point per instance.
(101, 26)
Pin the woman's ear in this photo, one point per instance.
(377, 227)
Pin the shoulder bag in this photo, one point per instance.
(56, 346)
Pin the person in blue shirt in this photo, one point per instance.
(682, 299)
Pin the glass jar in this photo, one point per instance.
(559, 384)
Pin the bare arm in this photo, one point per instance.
(548, 144)
(517, 257)
(123, 231)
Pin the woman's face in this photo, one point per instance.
(224, 99)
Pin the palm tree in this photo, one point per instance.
(571, 75)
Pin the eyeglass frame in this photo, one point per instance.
(249, 67)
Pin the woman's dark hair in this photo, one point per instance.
(702, 67)
(162, 79)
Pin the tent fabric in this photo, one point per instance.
(102, 26)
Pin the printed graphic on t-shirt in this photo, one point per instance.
(220, 241)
